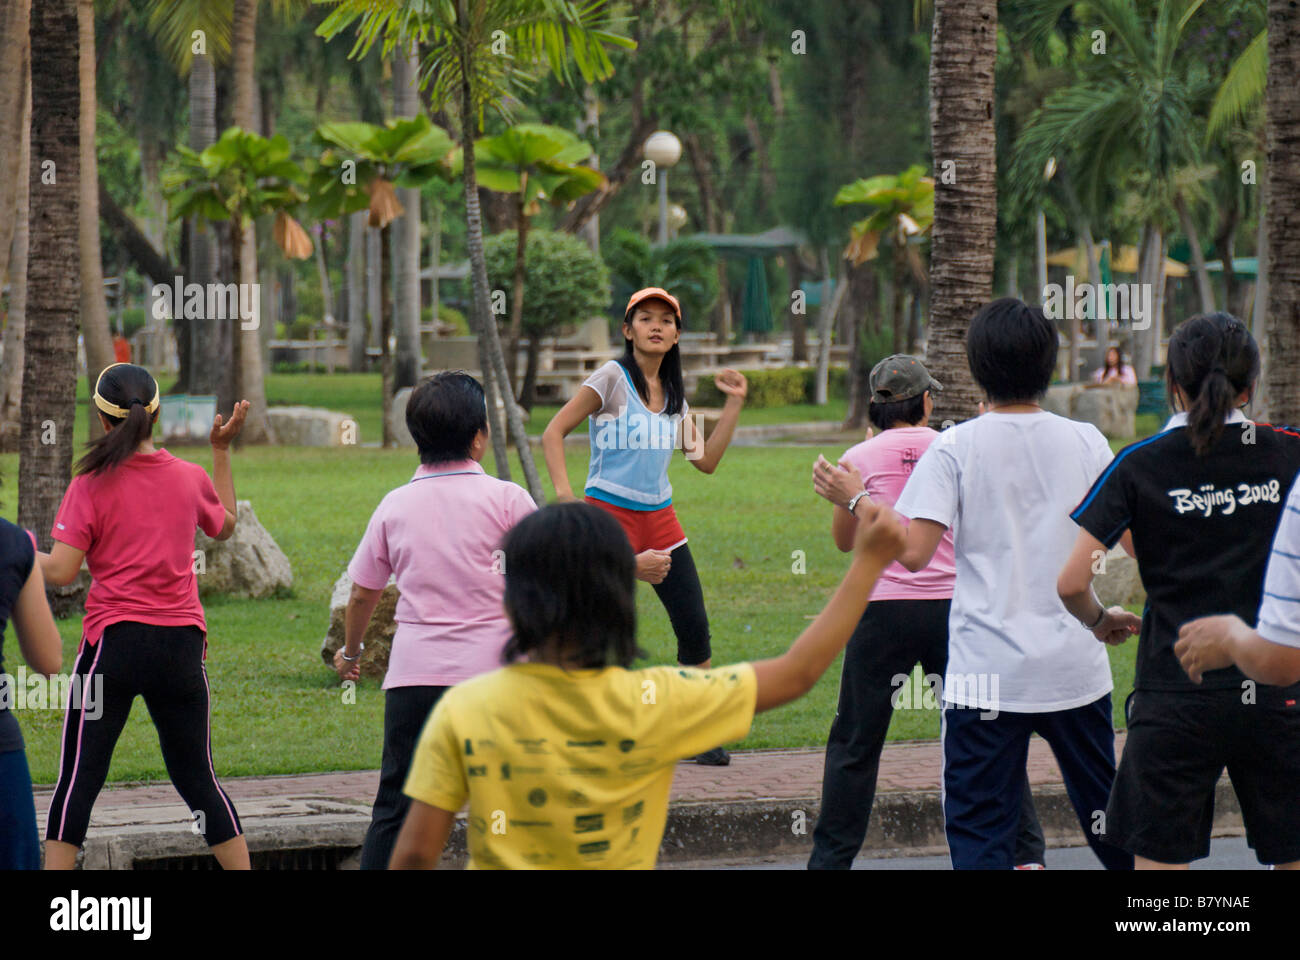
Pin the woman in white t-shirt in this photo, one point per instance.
(639, 415)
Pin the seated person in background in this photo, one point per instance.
(1114, 371)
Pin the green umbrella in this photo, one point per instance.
(756, 312)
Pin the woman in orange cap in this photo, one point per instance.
(639, 415)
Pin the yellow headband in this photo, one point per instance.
(112, 409)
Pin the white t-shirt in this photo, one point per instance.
(1279, 613)
(1005, 484)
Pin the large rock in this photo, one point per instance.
(1119, 581)
(397, 423)
(249, 564)
(1112, 410)
(312, 427)
(378, 638)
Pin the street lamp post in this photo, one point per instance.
(663, 150)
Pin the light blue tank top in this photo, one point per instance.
(630, 451)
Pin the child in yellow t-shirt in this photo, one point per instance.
(566, 759)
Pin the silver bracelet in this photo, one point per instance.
(351, 659)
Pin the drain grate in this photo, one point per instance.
(315, 858)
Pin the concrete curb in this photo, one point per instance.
(329, 836)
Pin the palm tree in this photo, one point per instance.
(15, 18)
(1282, 123)
(94, 308)
(54, 294)
(963, 54)
(239, 178)
(405, 238)
(11, 371)
(460, 66)
(1130, 120)
(532, 161)
(904, 213)
(360, 167)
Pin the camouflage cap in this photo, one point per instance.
(900, 377)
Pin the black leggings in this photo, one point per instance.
(683, 597)
(165, 666)
(405, 711)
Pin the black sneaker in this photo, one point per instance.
(717, 757)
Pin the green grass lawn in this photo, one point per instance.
(278, 709)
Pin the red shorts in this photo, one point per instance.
(646, 529)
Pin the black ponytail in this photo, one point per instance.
(1213, 359)
(127, 387)
(670, 372)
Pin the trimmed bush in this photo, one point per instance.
(767, 388)
(837, 383)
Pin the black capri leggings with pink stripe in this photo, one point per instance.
(165, 666)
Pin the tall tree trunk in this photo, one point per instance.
(406, 236)
(864, 302)
(386, 242)
(11, 372)
(898, 329)
(830, 306)
(252, 386)
(517, 292)
(94, 309)
(1101, 323)
(54, 295)
(962, 59)
(1203, 286)
(435, 264)
(1283, 131)
(490, 355)
(212, 341)
(15, 27)
(374, 283)
(798, 320)
(1260, 307)
(356, 273)
(529, 389)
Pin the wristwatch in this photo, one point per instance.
(854, 502)
(351, 659)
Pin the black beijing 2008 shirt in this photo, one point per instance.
(1202, 531)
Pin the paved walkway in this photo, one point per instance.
(752, 775)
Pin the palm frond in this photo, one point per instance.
(1242, 89)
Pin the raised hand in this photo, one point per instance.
(838, 484)
(223, 433)
(732, 383)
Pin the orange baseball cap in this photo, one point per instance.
(654, 293)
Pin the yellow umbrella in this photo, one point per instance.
(1125, 260)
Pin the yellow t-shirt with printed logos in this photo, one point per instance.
(572, 769)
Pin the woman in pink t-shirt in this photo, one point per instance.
(906, 622)
(131, 513)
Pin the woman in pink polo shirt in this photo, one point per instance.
(130, 513)
(440, 537)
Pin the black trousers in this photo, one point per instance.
(683, 598)
(405, 710)
(165, 666)
(892, 637)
